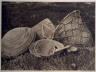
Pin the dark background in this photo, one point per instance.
(29, 14)
(24, 14)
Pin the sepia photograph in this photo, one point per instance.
(48, 36)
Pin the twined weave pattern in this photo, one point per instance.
(17, 41)
(73, 30)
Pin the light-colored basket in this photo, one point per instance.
(46, 47)
(45, 29)
(17, 41)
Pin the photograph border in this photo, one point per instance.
(45, 1)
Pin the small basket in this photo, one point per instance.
(44, 29)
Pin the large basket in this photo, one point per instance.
(73, 30)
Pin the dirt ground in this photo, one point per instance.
(29, 14)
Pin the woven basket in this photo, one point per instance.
(45, 29)
(17, 41)
(72, 30)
